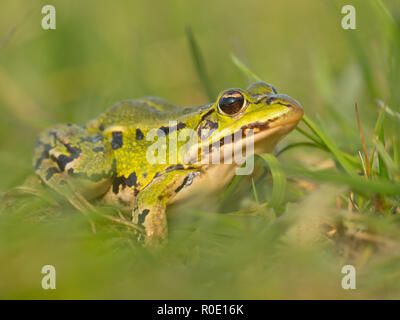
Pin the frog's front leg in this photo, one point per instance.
(150, 207)
(150, 213)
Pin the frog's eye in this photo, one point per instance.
(231, 103)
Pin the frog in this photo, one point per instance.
(108, 157)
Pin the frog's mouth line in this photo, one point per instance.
(264, 139)
(262, 130)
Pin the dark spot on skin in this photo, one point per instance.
(168, 130)
(62, 161)
(165, 130)
(139, 134)
(161, 133)
(131, 180)
(98, 149)
(182, 185)
(207, 114)
(187, 181)
(74, 151)
(157, 174)
(116, 142)
(212, 125)
(206, 129)
(50, 172)
(259, 125)
(174, 167)
(142, 216)
(181, 125)
(118, 181)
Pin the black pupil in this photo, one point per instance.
(231, 102)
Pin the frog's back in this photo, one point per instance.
(144, 112)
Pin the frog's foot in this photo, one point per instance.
(154, 221)
(31, 187)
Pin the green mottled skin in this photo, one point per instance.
(107, 157)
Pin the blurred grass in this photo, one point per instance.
(338, 211)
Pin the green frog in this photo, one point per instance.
(119, 158)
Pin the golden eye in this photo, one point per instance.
(231, 103)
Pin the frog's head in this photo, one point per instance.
(259, 109)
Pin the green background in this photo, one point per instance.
(105, 51)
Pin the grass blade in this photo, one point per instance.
(299, 144)
(357, 183)
(279, 180)
(199, 64)
(379, 135)
(384, 157)
(367, 163)
(254, 191)
(329, 144)
(244, 69)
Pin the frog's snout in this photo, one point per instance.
(284, 100)
(295, 110)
